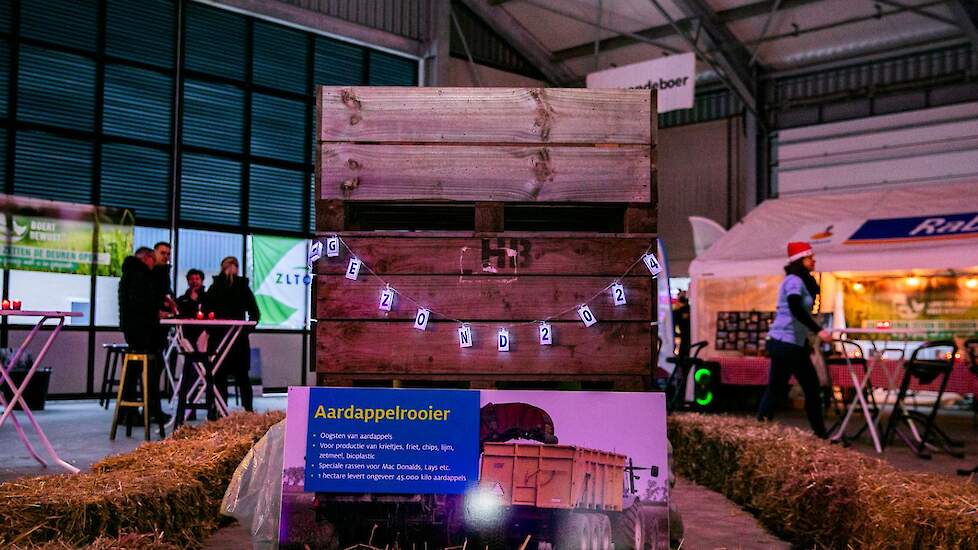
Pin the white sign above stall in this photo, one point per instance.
(673, 77)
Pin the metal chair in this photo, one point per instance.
(971, 349)
(921, 441)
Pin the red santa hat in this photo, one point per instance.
(799, 250)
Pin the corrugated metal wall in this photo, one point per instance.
(408, 18)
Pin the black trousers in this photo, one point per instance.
(786, 360)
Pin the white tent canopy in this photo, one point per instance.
(897, 228)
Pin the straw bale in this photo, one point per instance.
(171, 487)
(131, 541)
(818, 495)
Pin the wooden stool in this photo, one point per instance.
(143, 402)
(112, 354)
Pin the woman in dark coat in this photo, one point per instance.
(230, 297)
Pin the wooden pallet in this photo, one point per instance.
(488, 182)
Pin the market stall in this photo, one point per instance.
(901, 257)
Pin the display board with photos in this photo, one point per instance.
(743, 331)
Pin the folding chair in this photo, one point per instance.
(971, 348)
(928, 436)
(855, 361)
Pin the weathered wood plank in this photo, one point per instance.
(485, 115)
(475, 298)
(628, 382)
(641, 218)
(382, 347)
(500, 256)
(485, 173)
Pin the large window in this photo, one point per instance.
(204, 250)
(209, 131)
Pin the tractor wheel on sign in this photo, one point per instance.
(630, 529)
(600, 532)
(573, 532)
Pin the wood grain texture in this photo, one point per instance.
(485, 115)
(475, 298)
(366, 172)
(347, 348)
(501, 256)
(627, 382)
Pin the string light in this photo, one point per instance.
(424, 313)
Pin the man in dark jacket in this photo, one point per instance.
(230, 297)
(161, 276)
(139, 317)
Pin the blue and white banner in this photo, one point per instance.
(918, 228)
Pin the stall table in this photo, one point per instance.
(753, 371)
(18, 392)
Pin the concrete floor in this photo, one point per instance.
(79, 431)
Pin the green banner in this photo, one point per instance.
(280, 280)
(60, 237)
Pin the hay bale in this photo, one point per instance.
(819, 495)
(172, 487)
(132, 541)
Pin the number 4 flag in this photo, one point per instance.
(652, 263)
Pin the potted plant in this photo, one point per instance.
(36, 392)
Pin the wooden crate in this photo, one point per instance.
(469, 172)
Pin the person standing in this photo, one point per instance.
(787, 342)
(230, 297)
(139, 318)
(681, 324)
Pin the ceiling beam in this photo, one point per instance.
(663, 31)
(522, 40)
(730, 56)
(965, 12)
(919, 11)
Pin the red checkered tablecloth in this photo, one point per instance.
(753, 371)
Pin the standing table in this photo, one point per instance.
(198, 389)
(18, 392)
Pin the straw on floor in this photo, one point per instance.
(818, 495)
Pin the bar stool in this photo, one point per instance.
(925, 371)
(143, 398)
(112, 354)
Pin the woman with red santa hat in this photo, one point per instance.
(787, 339)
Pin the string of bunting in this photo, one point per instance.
(330, 248)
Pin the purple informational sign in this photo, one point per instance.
(481, 469)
